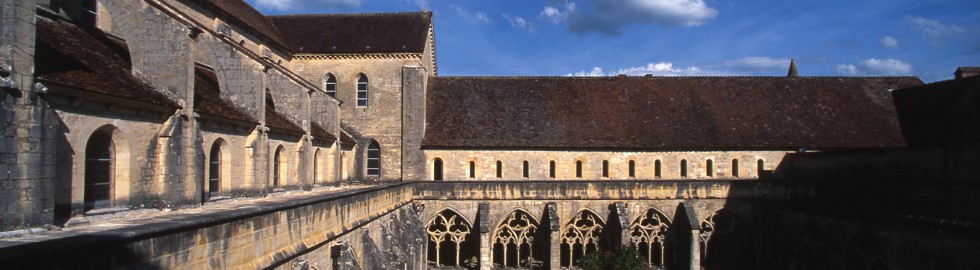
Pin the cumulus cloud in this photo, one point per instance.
(291, 5)
(874, 66)
(608, 16)
(656, 69)
(889, 41)
(518, 22)
(937, 33)
(758, 63)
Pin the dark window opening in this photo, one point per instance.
(762, 166)
(98, 171)
(277, 167)
(578, 169)
(362, 91)
(90, 13)
(605, 168)
(683, 168)
(632, 169)
(373, 159)
(437, 170)
(214, 170)
(500, 169)
(656, 169)
(709, 167)
(472, 169)
(735, 167)
(331, 86)
(526, 169)
(551, 169)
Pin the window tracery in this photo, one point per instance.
(580, 236)
(649, 232)
(515, 236)
(447, 227)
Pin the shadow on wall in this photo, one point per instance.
(102, 252)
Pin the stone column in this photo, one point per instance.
(554, 225)
(483, 215)
(624, 223)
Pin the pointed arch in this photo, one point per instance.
(373, 159)
(649, 233)
(330, 85)
(447, 232)
(512, 243)
(581, 235)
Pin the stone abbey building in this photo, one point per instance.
(158, 134)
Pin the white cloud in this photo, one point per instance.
(518, 22)
(874, 66)
(291, 5)
(889, 41)
(758, 63)
(608, 16)
(937, 33)
(478, 16)
(482, 17)
(655, 69)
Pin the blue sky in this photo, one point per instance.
(925, 38)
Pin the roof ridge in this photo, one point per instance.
(665, 77)
(349, 14)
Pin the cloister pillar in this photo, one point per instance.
(554, 225)
(624, 223)
(686, 241)
(483, 215)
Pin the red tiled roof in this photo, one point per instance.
(88, 59)
(927, 111)
(663, 112)
(207, 97)
(345, 139)
(355, 33)
(276, 120)
(247, 16)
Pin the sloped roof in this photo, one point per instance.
(355, 33)
(927, 111)
(663, 112)
(207, 97)
(318, 131)
(345, 138)
(276, 120)
(88, 59)
(247, 16)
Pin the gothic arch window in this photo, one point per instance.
(649, 232)
(278, 168)
(581, 235)
(656, 169)
(551, 169)
(526, 169)
(373, 159)
(99, 170)
(213, 185)
(683, 168)
(578, 168)
(330, 86)
(500, 169)
(605, 168)
(362, 90)
(709, 167)
(472, 169)
(317, 166)
(437, 169)
(447, 234)
(714, 230)
(735, 167)
(632, 169)
(513, 241)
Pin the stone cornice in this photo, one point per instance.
(357, 56)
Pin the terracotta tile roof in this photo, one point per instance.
(345, 138)
(927, 111)
(355, 33)
(247, 16)
(663, 112)
(318, 131)
(90, 60)
(276, 120)
(207, 97)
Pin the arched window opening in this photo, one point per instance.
(214, 171)
(437, 169)
(715, 239)
(99, 163)
(551, 169)
(735, 167)
(578, 168)
(513, 242)
(373, 159)
(649, 233)
(500, 169)
(278, 168)
(472, 169)
(526, 169)
(656, 169)
(330, 87)
(709, 168)
(447, 233)
(605, 168)
(683, 168)
(632, 169)
(762, 166)
(581, 235)
(362, 91)
(317, 167)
